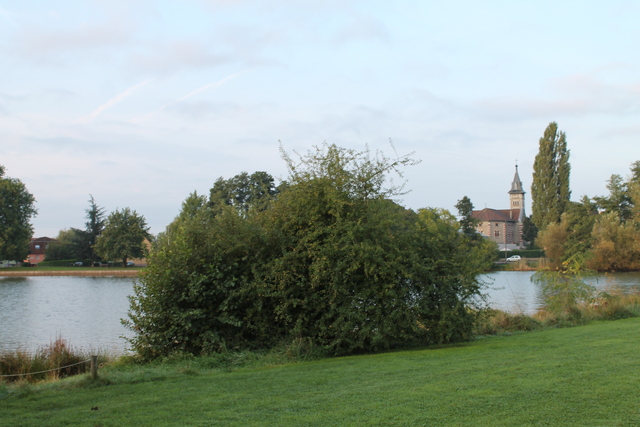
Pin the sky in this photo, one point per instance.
(140, 103)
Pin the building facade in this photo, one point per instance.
(37, 249)
(504, 226)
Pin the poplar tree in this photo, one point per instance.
(550, 187)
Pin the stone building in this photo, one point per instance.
(504, 226)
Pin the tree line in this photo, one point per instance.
(601, 233)
(119, 236)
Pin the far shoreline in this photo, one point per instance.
(85, 273)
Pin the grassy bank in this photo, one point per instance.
(573, 376)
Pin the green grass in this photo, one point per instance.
(582, 376)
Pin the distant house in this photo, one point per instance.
(504, 226)
(37, 248)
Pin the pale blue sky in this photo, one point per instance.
(139, 103)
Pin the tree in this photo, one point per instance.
(243, 191)
(553, 240)
(550, 192)
(616, 245)
(67, 246)
(467, 222)
(529, 232)
(124, 236)
(93, 229)
(581, 218)
(621, 194)
(16, 210)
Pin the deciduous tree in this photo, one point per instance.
(123, 237)
(243, 191)
(17, 207)
(67, 246)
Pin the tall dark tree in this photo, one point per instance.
(93, 229)
(16, 210)
(467, 222)
(550, 192)
(529, 232)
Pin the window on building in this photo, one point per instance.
(496, 233)
(37, 246)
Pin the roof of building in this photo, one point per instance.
(516, 185)
(503, 215)
(42, 239)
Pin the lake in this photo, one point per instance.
(86, 311)
(513, 291)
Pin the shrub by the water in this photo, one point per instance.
(492, 322)
(328, 260)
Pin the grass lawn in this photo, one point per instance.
(582, 376)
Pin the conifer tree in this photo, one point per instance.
(550, 187)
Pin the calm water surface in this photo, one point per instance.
(87, 310)
(84, 310)
(513, 291)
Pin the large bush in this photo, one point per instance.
(331, 260)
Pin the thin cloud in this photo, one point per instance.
(211, 85)
(189, 95)
(112, 102)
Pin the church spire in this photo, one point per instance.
(516, 195)
(516, 185)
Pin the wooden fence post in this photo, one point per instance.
(94, 367)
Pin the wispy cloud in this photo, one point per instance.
(210, 86)
(110, 103)
(189, 95)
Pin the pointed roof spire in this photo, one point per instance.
(516, 185)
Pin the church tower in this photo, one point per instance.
(516, 196)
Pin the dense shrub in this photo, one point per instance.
(331, 261)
